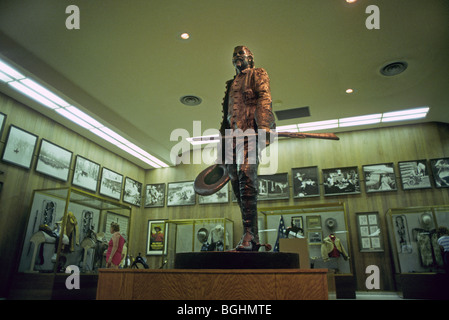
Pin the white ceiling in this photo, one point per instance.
(127, 65)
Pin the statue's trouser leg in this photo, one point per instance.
(244, 184)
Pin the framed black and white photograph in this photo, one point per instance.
(341, 181)
(157, 239)
(440, 172)
(155, 195)
(306, 182)
(314, 237)
(221, 196)
(379, 177)
(111, 184)
(180, 194)
(273, 187)
(19, 147)
(368, 226)
(86, 174)
(414, 174)
(54, 161)
(132, 193)
(2, 123)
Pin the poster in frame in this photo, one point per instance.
(155, 195)
(180, 194)
(440, 172)
(379, 177)
(369, 233)
(2, 123)
(86, 174)
(157, 237)
(306, 182)
(221, 196)
(132, 192)
(19, 147)
(273, 187)
(111, 184)
(414, 174)
(341, 181)
(54, 161)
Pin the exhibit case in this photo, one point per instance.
(323, 227)
(196, 235)
(68, 226)
(413, 234)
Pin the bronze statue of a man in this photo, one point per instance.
(246, 108)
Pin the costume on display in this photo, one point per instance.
(72, 231)
(332, 248)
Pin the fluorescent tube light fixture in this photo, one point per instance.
(44, 92)
(360, 120)
(318, 125)
(33, 94)
(13, 73)
(47, 98)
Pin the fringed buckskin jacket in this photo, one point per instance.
(247, 103)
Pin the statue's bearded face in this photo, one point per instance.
(242, 58)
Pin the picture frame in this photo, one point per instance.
(221, 196)
(54, 161)
(440, 172)
(306, 182)
(314, 237)
(414, 174)
(341, 181)
(180, 194)
(132, 192)
(86, 174)
(313, 222)
(379, 177)
(298, 222)
(369, 232)
(111, 184)
(19, 147)
(157, 237)
(154, 195)
(2, 123)
(273, 187)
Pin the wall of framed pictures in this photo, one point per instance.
(369, 157)
(38, 140)
(388, 162)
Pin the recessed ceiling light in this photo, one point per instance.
(185, 36)
(349, 90)
(351, 1)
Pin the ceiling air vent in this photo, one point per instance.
(393, 68)
(190, 100)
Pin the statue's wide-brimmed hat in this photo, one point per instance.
(211, 180)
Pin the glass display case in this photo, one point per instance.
(414, 238)
(324, 228)
(68, 226)
(195, 235)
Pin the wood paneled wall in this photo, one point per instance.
(18, 183)
(357, 148)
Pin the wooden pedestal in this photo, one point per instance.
(212, 284)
